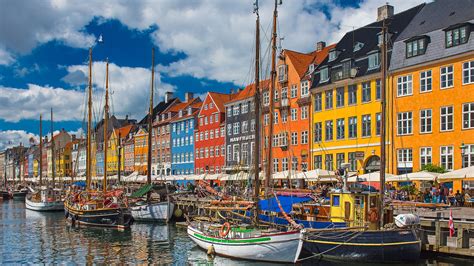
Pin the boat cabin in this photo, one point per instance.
(355, 208)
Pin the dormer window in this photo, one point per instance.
(282, 73)
(311, 68)
(374, 60)
(324, 73)
(415, 47)
(333, 55)
(180, 114)
(162, 117)
(457, 35)
(358, 46)
(190, 110)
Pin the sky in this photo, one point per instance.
(200, 46)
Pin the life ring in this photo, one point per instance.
(373, 215)
(225, 229)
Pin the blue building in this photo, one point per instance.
(182, 135)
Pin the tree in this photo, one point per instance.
(433, 168)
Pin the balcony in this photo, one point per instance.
(283, 103)
(304, 101)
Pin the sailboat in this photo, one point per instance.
(367, 237)
(105, 208)
(250, 242)
(149, 210)
(46, 198)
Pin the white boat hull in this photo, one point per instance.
(280, 247)
(44, 206)
(153, 212)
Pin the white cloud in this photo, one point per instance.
(6, 58)
(10, 138)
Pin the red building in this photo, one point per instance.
(210, 134)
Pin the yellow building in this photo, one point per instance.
(113, 149)
(35, 168)
(63, 161)
(432, 73)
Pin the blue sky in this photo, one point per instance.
(200, 46)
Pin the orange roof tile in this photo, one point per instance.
(221, 98)
(124, 131)
(248, 91)
(301, 61)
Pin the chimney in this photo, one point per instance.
(168, 96)
(188, 96)
(126, 119)
(320, 46)
(384, 12)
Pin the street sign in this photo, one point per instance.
(359, 155)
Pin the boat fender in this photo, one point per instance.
(211, 251)
(373, 215)
(405, 220)
(225, 229)
(178, 212)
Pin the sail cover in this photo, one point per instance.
(142, 191)
(286, 202)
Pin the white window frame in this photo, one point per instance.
(426, 81)
(404, 123)
(304, 112)
(294, 138)
(405, 158)
(446, 116)
(304, 137)
(304, 88)
(469, 114)
(426, 156)
(426, 121)
(446, 153)
(449, 74)
(467, 72)
(294, 91)
(404, 85)
(294, 114)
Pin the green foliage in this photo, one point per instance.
(410, 189)
(433, 168)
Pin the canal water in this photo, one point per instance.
(29, 237)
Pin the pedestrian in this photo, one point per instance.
(442, 194)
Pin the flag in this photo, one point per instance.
(451, 224)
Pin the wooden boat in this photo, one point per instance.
(5, 195)
(97, 208)
(20, 194)
(153, 211)
(45, 199)
(249, 244)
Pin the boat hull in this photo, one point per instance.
(19, 195)
(5, 195)
(366, 246)
(119, 218)
(153, 212)
(281, 247)
(44, 206)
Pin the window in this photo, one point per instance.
(404, 85)
(252, 125)
(324, 73)
(339, 159)
(294, 91)
(304, 88)
(318, 162)
(468, 72)
(216, 151)
(405, 158)
(284, 93)
(284, 164)
(366, 125)
(284, 116)
(425, 156)
(318, 103)
(236, 111)
(245, 126)
(275, 118)
(468, 115)
(425, 81)
(266, 119)
(340, 97)
(294, 138)
(318, 132)
(294, 114)
(236, 154)
(447, 118)
(446, 77)
(353, 127)
(352, 161)
(374, 61)
(304, 137)
(405, 123)
(457, 36)
(378, 123)
(415, 47)
(236, 128)
(329, 130)
(468, 158)
(378, 89)
(275, 165)
(304, 112)
(366, 92)
(245, 154)
(245, 109)
(425, 121)
(329, 162)
(211, 134)
(340, 128)
(266, 98)
(446, 157)
(352, 94)
(276, 96)
(332, 55)
(329, 100)
(282, 69)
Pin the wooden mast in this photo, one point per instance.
(40, 170)
(150, 119)
(257, 112)
(119, 159)
(268, 172)
(382, 121)
(53, 159)
(89, 125)
(106, 125)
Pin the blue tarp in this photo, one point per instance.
(285, 201)
(80, 183)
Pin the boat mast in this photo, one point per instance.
(119, 159)
(53, 159)
(41, 151)
(106, 124)
(382, 121)
(150, 119)
(268, 172)
(257, 112)
(89, 125)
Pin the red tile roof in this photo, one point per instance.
(249, 91)
(301, 61)
(221, 98)
(124, 131)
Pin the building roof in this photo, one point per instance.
(160, 107)
(220, 99)
(437, 15)
(195, 106)
(123, 131)
(248, 91)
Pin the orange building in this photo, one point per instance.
(141, 150)
(290, 140)
(432, 76)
